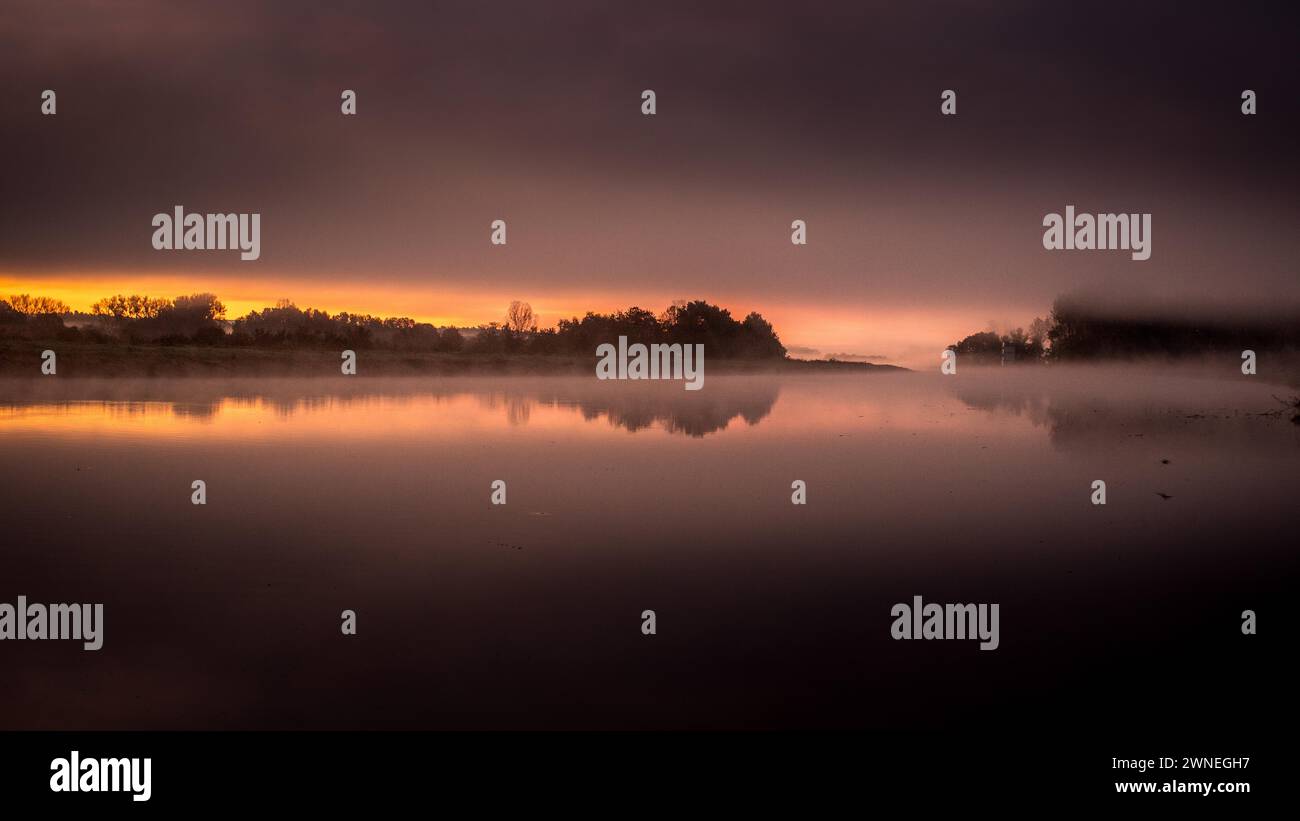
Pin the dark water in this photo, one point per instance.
(373, 496)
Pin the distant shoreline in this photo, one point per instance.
(23, 359)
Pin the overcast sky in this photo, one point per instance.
(919, 225)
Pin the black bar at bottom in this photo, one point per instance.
(615, 772)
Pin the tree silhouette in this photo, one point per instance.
(36, 305)
(134, 306)
(519, 318)
(199, 307)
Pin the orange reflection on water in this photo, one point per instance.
(765, 405)
(252, 419)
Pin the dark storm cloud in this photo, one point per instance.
(530, 111)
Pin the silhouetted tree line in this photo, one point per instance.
(1080, 332)
(684, 323)
(200, 319)
(288, 326)
(187, 319)
(1017, 346)
(1077, 331)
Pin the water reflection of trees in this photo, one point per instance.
(689, 414)
(631, 406)
(1078, 419)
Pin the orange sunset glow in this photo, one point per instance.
(904, 335)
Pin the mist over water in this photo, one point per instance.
(373, 495)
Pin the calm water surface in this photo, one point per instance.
(373, 495)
